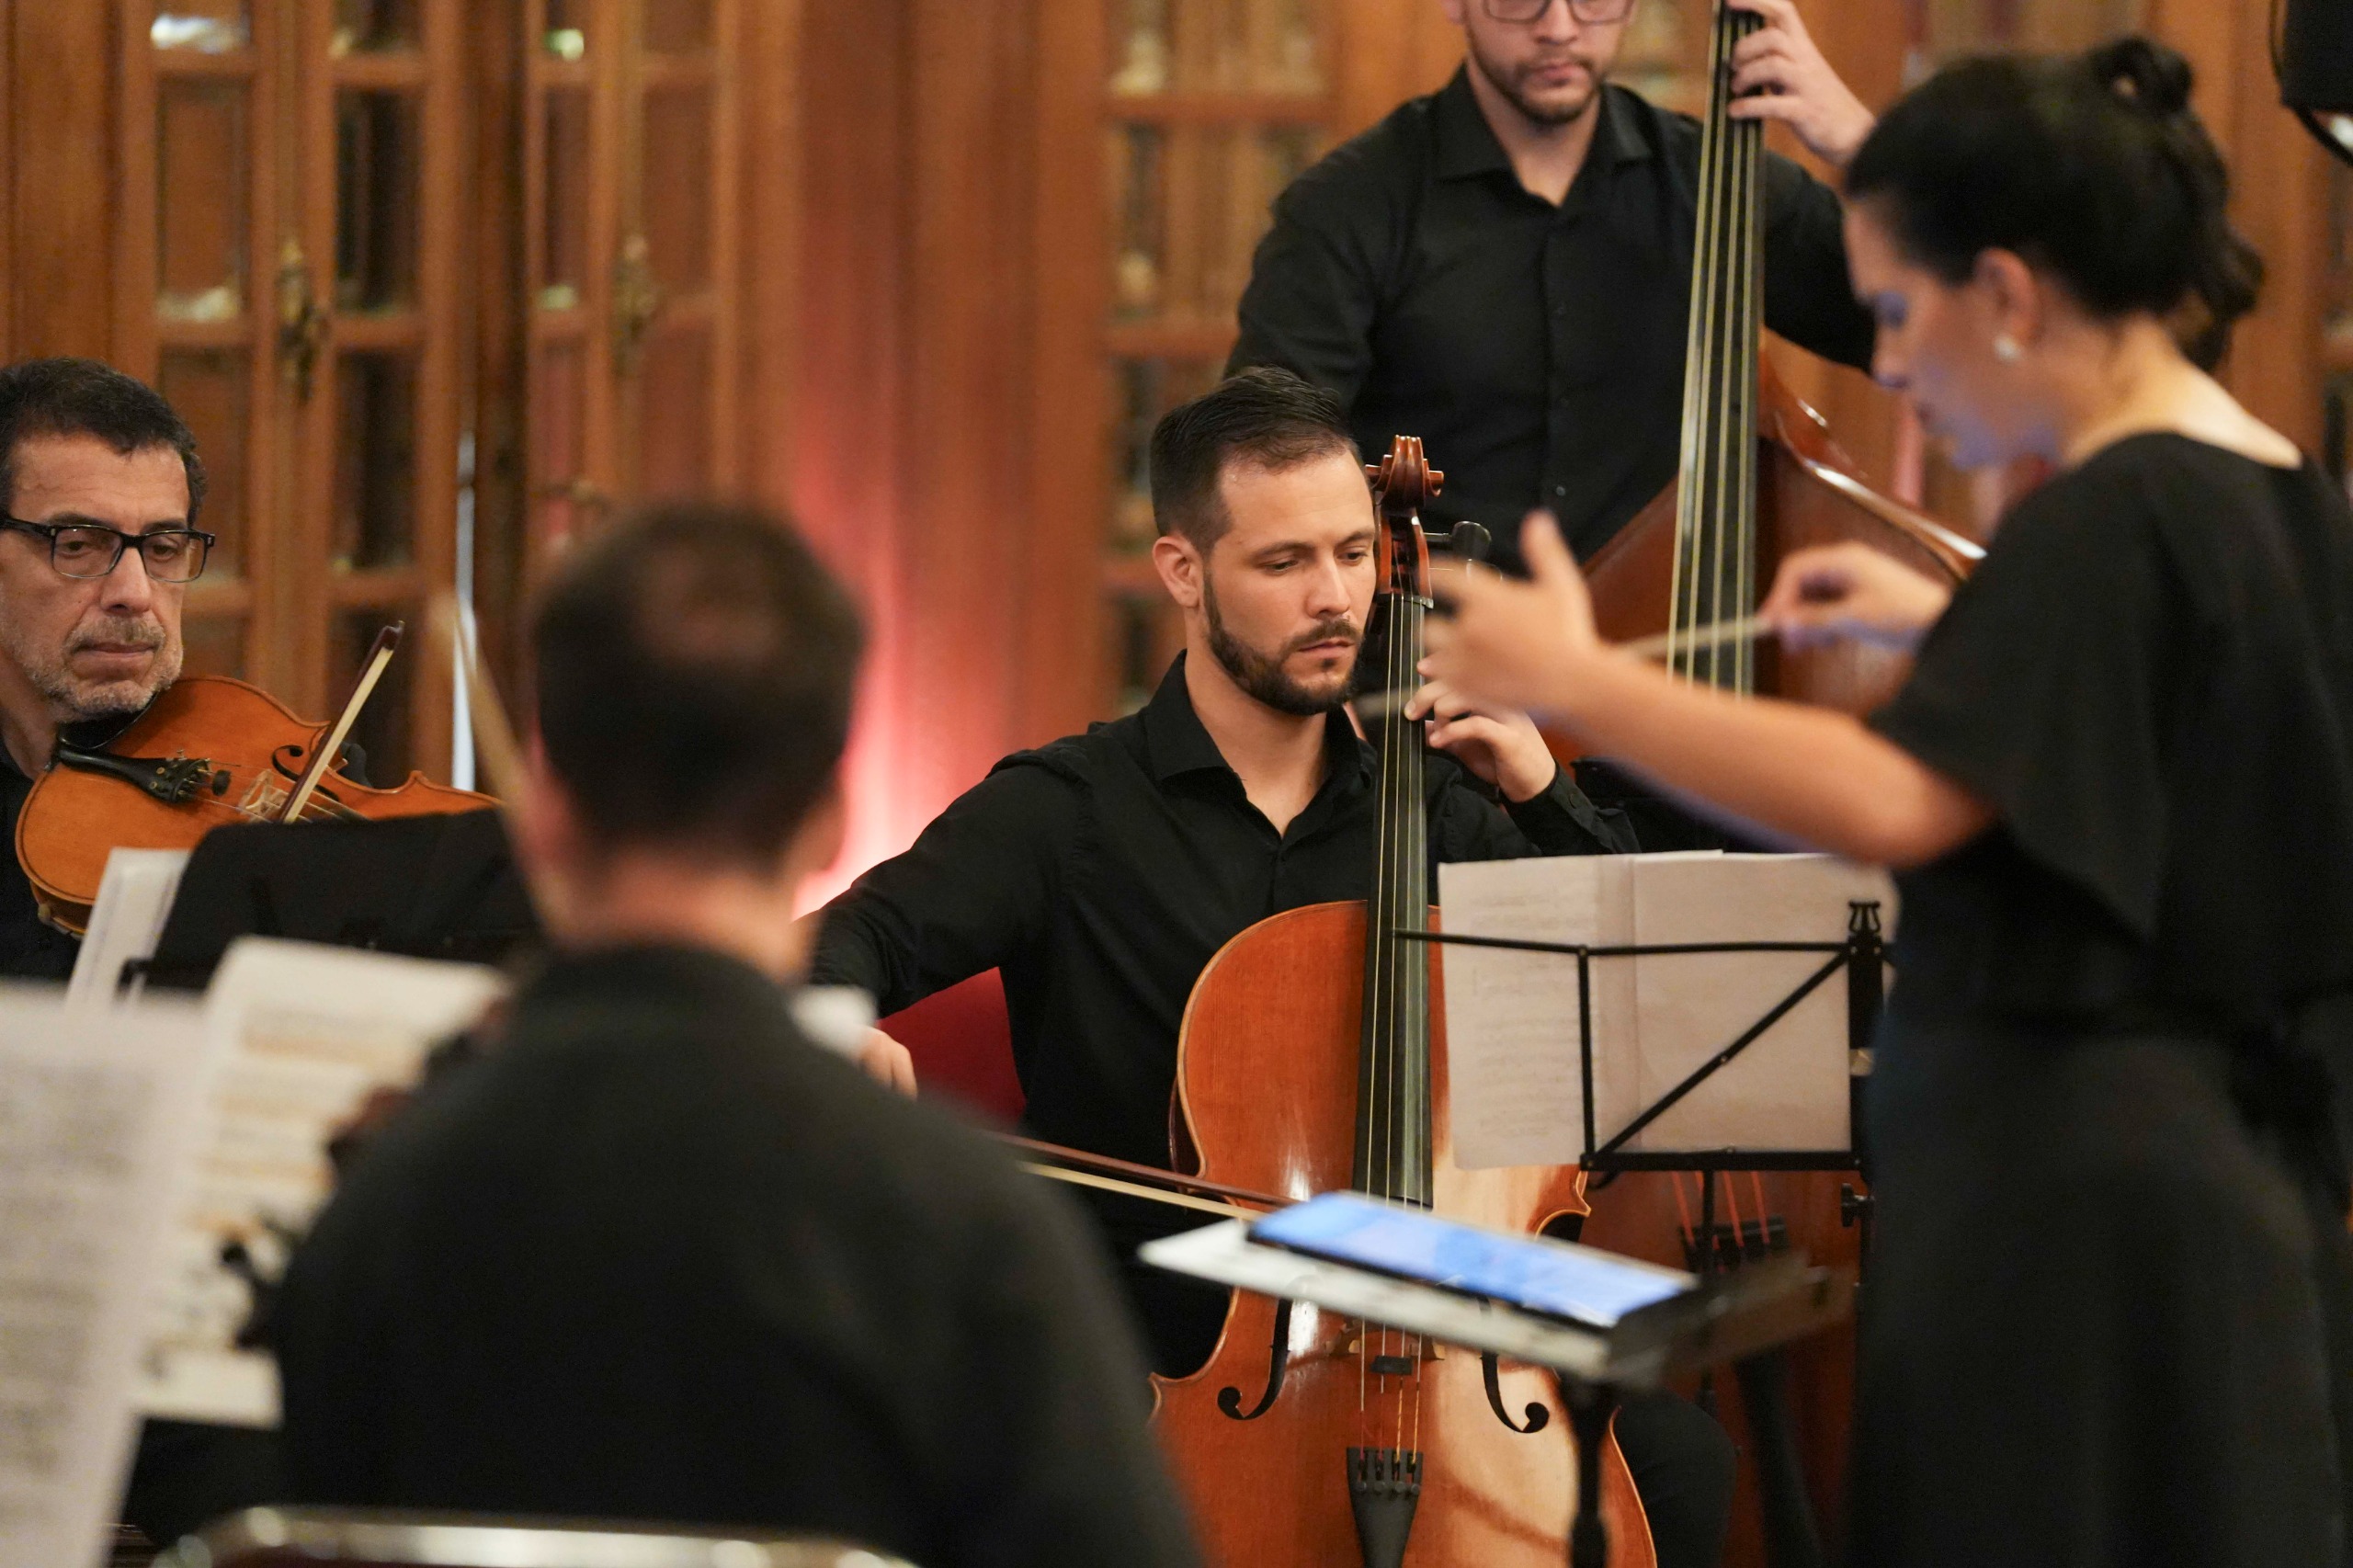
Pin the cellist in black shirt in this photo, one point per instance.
(1099, 874)
(1503, 267)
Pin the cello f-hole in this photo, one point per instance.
(1228, 1399)
(1538, 1417)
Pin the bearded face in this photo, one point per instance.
(84, 648)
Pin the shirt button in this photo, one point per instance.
(1561, 490)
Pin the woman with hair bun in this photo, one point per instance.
(2109, 1308)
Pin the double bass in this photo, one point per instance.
(1313, 1057)
(1758, 478)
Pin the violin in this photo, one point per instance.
(1313, 1057)
(209, 750)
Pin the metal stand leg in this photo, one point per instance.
(1590, 1407)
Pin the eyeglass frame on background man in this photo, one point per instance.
(55, 533)
(1590, 13)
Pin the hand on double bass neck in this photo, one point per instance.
(1778, 72)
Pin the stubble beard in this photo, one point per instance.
(71, 698)
(1264, 678)
(1508, 83)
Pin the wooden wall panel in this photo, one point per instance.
(846, 368)
(61, 190)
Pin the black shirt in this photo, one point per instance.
(30, 949)
(653, 1255)
(1100, 874)
(1537, 349)
(2150, 678)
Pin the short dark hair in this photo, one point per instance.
(82, 397)
(1266, 416)
(695, 665)
(2092, 165)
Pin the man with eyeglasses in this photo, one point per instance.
(99, 488)
(1503, 268)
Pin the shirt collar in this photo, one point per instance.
(1177, 743)
(1467, 144)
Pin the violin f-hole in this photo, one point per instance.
(1229, 1400)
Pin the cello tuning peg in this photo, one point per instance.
(1470, 541)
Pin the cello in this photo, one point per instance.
(1758, 479)
(1313, 1057)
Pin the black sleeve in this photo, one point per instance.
(976, 888)
(2042, 691)
(1809, 298)
(1466, 825)
(1316, 282)
(1062, 1467)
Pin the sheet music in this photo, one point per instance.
(1515, 1088)
(311, 1030)
(134, 900)
(1788, 1089)
(96, 1149)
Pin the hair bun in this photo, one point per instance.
(2145, 74)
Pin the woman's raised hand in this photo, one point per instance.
(1516, 644)
(1850, 592)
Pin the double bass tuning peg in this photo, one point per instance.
(1470, 541)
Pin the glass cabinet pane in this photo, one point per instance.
(1139, 46)
(1147, 389)
(678, 128)
(375, 459)
(370, 26)
(378, 197)
(673, 414)
(559, 444)
(678, 27)
(203, 184)
(1189, 207)
(1216, 46)
(212, 390)
(383, 728)
(1138, 207)
(201, 27)
(566, 169)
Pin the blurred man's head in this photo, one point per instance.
(695, 665)
(1267, 536)
(101, 484)
(1547, 58)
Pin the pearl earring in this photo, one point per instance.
(2006, 350)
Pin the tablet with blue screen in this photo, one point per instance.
(1579, 1285)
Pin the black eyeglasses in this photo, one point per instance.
(1593, 13)
(92, 549)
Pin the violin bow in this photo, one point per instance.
(501, 757)
(380, 654)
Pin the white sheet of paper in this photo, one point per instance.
(1788, 1089)
(308, 1032)
(1514, 1080)
(96, 1150)
(134, 900)
(1516, 1096)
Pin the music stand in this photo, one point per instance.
(1719, 1320)
(1862, 957)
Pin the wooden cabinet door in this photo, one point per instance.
(287, 263)
(197, 241)
(630, 162)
